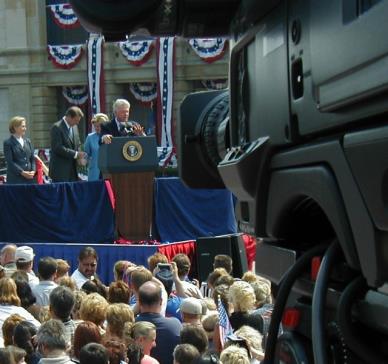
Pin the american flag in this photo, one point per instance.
(223, 322)
(96, 73)
(165, 49)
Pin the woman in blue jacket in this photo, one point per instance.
(91, 147)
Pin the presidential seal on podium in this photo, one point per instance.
(132, 151)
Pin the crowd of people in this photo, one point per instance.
(66, 150)
(146, 315)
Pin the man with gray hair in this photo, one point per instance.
(52, 344)
(7, 259)
(119, 125)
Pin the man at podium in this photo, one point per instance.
(129, 159)
(119, 125)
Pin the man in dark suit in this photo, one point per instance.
(65, 143)
(119, 125)
(19, 153)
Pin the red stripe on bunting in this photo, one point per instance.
(62, 60)
(209, 50)
(66, 26)
(137, 52)
(64, 16)
(145, 58)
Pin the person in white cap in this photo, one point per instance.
(191, 311)
(24, 257)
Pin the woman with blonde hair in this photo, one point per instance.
(243, 299)
(68, 282)
(93, 308)
(213, 276)
(10, 303)
(254, 340)
(63, 268)
(92, 146)
(117, 315)
(234, 355)
(79, 296)
(144, 334)
(19, 153)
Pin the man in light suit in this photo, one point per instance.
(65, 143)
(119, 125)
(19, 153)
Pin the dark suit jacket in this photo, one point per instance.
(18, 159)
(110, 127)
(63, 166)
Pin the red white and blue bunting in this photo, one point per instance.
(167, 157)
(209, 50)
(64, 16)
(165, 70)
(65, 56)
(76, 95)
(145, 92)
(215, 84)
(96, 73)
(137, 53)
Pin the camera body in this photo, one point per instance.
(164, 266)
(301, 140)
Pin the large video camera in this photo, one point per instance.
(301, 139)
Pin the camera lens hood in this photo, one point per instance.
(116, 19)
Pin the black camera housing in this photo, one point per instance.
(301, 140)
(164, 266)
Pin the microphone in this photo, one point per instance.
(126, 129)
(129, 126)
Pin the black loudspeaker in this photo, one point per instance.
(208, 247)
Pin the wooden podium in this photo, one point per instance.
(130, 164)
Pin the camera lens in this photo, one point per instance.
(203, 131)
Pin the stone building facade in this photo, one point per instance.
(30, 85)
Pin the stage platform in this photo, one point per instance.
(59, 219)
(82, 213)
